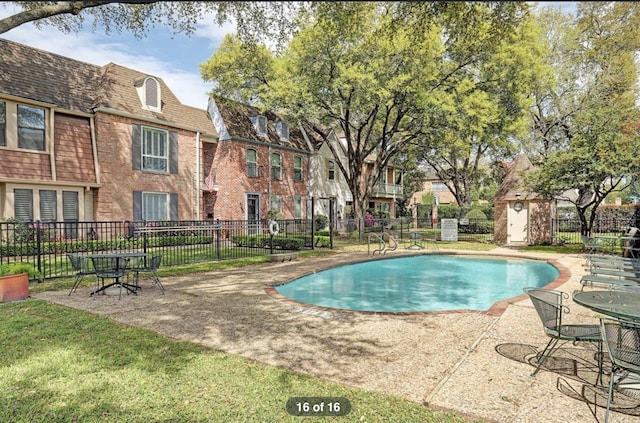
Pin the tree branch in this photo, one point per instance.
(59, 8)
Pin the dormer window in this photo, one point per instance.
(149, 93)
(282, 129)
(260, 125)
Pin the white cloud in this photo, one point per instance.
(98, 49)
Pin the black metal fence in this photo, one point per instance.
(46, 245)
(480, 230)
(567, 231)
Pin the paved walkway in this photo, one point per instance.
(473, 363)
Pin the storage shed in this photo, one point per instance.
(521, 217)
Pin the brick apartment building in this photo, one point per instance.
(80, 142)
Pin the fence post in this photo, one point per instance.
(144, 238)
(218, 233)
(38, 247)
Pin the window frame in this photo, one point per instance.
(276, 168)
(20, 138)
(331, 170)
(148, 196)
(297, 169)
(260, 125)
(275, 203)
(282, 129)
(30, 206)
(52, 202)
(155, 158)
(297, 206)
(251, 166)
(148, 95)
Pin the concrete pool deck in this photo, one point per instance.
(472, 363)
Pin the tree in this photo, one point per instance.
(367, 70)
(595, 151)
(474, 121)
(253, 19)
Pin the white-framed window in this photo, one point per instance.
(282, 129)
(331, 170)
(151, 94)
(297, 168)
(155, 150)
(252, 162)
(260, 125)
(276, 203)
(297, 207)
(48, 205)
(383, 176)
(3, 123)
(23, 204)
(155, 206)
(31, 127)
(276, 166)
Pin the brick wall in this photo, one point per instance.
(114, 200)
(235, 184)
(500, 221)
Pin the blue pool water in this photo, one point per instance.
(420, 283)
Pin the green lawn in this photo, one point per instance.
(60, 364)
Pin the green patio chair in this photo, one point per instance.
(551, 310)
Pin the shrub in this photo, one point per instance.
(7, 269)
(369, 220)
(320, 221)
(475, 214)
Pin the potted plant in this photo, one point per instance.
(14, 280)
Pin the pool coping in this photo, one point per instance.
(496, 308)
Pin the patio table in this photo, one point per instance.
(619, 303)
(117, 282)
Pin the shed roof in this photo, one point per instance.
(513, 182)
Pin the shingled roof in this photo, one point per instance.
(237, 123)
(513, 182)
(38, 75)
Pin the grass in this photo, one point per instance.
(65, 365)
(60, 364)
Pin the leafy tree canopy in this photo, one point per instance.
(254, 20)
(376, 72)
(595, 152)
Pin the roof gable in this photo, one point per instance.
(513, 182)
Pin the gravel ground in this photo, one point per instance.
(473, 363)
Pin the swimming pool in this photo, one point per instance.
(429, 282)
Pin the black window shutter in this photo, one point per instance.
(173, 152)
(173, 206)
(136, 147)
(137, 205)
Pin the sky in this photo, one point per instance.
(175, 59)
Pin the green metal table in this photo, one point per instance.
(619, 303)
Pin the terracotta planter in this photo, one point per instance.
(14, 287)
